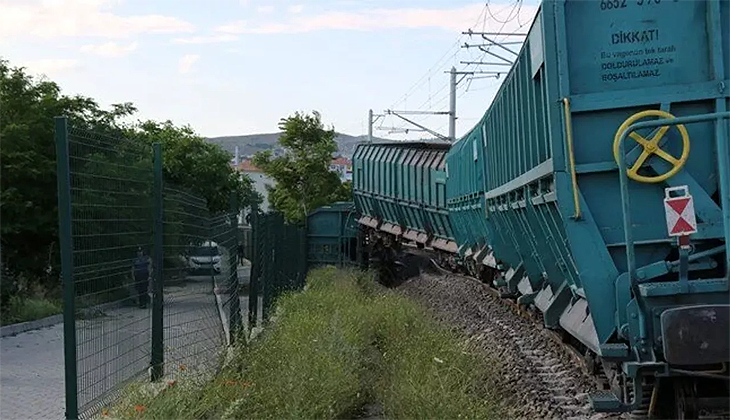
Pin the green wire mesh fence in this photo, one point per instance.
(150, 276)
(279, 262)
(281, 252)
(110, 217)
(152, 279)
(193, 328)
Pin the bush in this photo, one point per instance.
(21, 309)
(22, 299)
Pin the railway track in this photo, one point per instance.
(545, 376)
(569, 350)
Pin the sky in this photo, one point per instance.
(231, 67)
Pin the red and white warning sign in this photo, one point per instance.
(680, 211)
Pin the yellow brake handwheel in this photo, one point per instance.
(651, 147)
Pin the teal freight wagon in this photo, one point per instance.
(608, 106)
(465, 171)
(332, 235)
(564, 193)
(400, 189)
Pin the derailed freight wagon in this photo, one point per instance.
(400, 191)
(557, 207)
(332, 234)
(465, 171)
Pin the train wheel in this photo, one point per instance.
(685, 399)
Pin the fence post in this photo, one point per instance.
(304, 253)
(157, 361)
(234, 316)
(63, 175)
(253, 298)
(271, 253)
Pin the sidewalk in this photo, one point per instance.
(31, 378)
(117, 347)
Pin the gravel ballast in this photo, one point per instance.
(536, 375)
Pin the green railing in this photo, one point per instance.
(122, 325)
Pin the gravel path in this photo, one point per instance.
(535, 374)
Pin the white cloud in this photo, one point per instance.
(196, 40)
(59, 18)
(186, 63)
(265, 9)
(49, 66)
(297, 8)
(110, 49)
(454, 19)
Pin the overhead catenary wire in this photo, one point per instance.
(435, 99)
(450, 54)
(431, 102)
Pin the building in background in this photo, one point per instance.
(343, 166)
(260, 180)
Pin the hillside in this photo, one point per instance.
(252, 143)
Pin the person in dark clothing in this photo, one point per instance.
(141, 274)
(240, 254)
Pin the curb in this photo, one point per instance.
(15, 329)
(223, 317)
(21, 327)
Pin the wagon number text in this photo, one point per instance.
(620, 4)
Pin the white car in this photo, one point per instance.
(203, 257)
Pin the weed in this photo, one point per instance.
(341, 345)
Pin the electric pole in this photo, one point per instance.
(453, 83)
(452, 105)
(371, 120)
(370, 126)
(488, 42)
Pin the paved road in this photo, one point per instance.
(112, 349)
(31, 377)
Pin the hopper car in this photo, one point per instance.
(558, 197)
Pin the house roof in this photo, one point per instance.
(341, 161)
(247, 166)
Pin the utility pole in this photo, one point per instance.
(454, 82)
(487, 42)
(371, 120)
(452, 105)
(370, 126)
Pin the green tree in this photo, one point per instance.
(28, 184)
(29, 228)
(201, 167)
(303, 179)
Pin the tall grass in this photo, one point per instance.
(337, 347)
